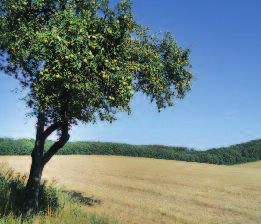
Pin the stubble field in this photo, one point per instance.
(143, 190)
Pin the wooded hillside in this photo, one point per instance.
(236, 154)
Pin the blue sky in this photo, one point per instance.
(223, 107)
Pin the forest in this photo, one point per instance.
(235, 154)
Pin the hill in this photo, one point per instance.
(235, 154)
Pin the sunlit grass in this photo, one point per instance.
(55, 206)
(143, 190)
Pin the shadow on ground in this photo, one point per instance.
(89, 201)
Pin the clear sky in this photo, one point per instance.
(223, 108)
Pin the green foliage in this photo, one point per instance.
(11, 193)
(236, 154)
(18, 147)
(240, 153)
(78, 59)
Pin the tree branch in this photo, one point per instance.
(50, 130)
(57, 145)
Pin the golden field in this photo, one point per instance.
(143, 190)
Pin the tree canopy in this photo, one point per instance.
(80, 59)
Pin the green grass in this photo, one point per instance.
(55, 206)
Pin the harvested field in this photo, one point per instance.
(143, 190)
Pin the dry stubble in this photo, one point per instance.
(142, 190)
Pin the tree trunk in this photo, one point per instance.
(33, 185)
(39, 159)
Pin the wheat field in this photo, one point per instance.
(143, 190)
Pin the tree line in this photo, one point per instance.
(235, 154)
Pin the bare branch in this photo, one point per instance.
(57, 145)
(50, 130)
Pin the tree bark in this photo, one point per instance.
(39, 160)
(57, 145)
(33, 185)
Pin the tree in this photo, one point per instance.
(78, 61)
